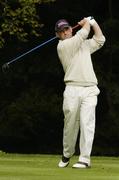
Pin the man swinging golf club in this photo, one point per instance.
(81, 91)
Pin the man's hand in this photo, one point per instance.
(91, 20)
(83, 21)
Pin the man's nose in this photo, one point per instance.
(65, 31)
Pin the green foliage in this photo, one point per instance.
(30, 105)
(20, 19)
(29, 115)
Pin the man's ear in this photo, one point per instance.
(57, 35)
(71, 29)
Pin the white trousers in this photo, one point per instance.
(79, 114)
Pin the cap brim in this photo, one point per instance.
(63, 27)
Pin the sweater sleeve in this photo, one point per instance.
(75, 41)
(79, 38)
(96, 43)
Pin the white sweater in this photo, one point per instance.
(75, 56)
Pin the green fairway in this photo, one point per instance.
(44, 167)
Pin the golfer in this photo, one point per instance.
(81, 91)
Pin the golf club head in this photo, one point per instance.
(5, 67)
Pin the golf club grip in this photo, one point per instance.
(74, 27)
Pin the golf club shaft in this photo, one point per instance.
(33, 49)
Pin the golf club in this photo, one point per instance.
(6, 65)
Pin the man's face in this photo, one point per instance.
(65, 33)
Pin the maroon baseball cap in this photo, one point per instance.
(61, 24)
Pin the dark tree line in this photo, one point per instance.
(31, 117)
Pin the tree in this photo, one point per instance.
(19, 19)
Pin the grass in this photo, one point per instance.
(44, 167)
